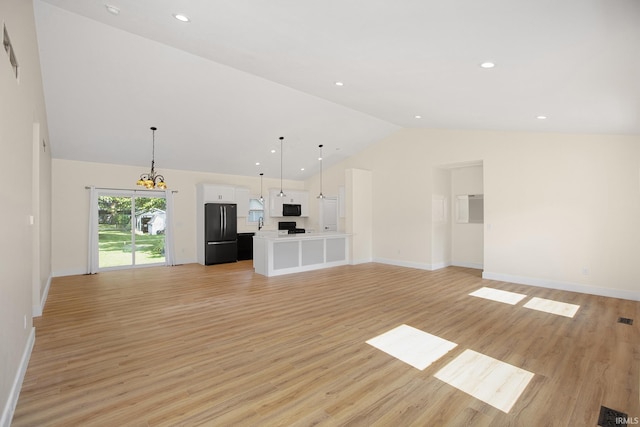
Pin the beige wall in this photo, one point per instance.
(71, 206)
(560, 210)
(25, 194)
(467, 239)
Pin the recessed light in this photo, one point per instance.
(541, 117)
(181, 17)
(273, 151)
(257, 163)
(487, 65)
(301, 169)
(112, 9)
(339, 83)
(418, 117)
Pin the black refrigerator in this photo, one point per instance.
(220, 233)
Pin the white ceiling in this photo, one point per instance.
(222, 88)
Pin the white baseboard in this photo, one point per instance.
(36, 310)
(476, 265)
(563, 286)
(72, 272)
(14, 393)
(439, 265)
(400, 263)
(360, 261)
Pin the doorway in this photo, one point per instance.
(456, 240)
(131, 229)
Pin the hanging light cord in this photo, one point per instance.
(281, 192)
(320, 196)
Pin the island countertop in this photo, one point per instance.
(274, 235)
(276, 254)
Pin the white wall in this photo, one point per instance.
(359, 214)
(25, 194)
(560, 210)
(441, 217)
(71, 206)
(467, 239)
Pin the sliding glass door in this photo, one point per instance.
(131, 229)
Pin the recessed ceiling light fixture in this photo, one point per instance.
(182, 18)
(339, 83)
(541, 117)
(257, 163)
(112, 9)
(488, 64)
(417, 116)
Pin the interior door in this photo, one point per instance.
(329, 214)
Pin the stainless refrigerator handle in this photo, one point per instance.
(221, 223)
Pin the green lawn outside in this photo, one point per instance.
(114, 246)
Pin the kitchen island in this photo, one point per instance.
(274, 254)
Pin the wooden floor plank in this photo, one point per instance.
(220, 345)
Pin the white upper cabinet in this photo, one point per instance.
(216, 193)
(221, 193)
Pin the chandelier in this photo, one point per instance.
(152, 180)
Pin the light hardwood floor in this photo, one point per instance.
(219, 345)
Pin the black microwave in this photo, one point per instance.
(291, 210)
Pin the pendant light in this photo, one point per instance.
(151, 180)
(261, 198)
(281, 194)
(320, 196)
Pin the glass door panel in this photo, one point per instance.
(130, 231)
(115, 240)
(149, 230)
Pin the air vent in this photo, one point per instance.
(611, 418)
(625, 320)
(6, 42)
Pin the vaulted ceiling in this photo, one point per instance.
(222, 88)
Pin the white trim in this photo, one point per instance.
(14, 393)
(442, 264)
(476, 265)
(36, 310)
(70, 272)
(563, 286)
(408, 264)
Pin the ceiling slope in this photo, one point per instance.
(222, 88)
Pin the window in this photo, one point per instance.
(256, 210)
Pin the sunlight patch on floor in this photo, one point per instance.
(499, 295)
(487, 379)
(412, 346)
(553, 307)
